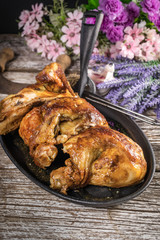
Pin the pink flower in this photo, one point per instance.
(114, 50)
(142, 24)
(95, 51)
(151, 35)
(24, 17)
(147, 52)
(54, 50)
(43, 46)
(75, 18)
(49, 34)
(71, 36)
(129, 47)
(135, 32)
(30, 28)
(156, 45)
(37, 12)
(76, 50)
(154, 39)
(33, 42)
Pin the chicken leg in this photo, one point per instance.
(100, 156)
(54, 123)
(51, 84)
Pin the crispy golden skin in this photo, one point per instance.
(54, 79)
(54, 123)
(52, 83)
(100, 156)
(29, 124)
(49, 113)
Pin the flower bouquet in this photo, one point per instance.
(51, 31)
(129, 38)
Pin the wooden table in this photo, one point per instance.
(29, 212)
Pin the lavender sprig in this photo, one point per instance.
(117, 82)
(149, 100)
(132, 91)
(136, 85)
(117, 94)
(136, 102)
(157, 111)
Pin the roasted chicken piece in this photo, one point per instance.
(100, 156)
(52, 77)
(49, 113)
(30, 123)
(54, 123)
(51, 84)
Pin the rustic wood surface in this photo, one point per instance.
(29, 212)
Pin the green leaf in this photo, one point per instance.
(53, 17)
(126, 1)
(92, 4)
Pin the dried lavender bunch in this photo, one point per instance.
(136, 85)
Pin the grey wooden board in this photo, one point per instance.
(29, 212)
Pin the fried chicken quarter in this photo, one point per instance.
(54, 123)
(100, 156)
(51, 84)
(50, 113)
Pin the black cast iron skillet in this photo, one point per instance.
(94, 196)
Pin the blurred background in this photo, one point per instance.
(10, 11)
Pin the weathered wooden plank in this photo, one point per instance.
(20, 77)
(41, 229)
(25, 206)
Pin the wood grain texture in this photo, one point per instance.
(29, 212)
(26, 77)
(44, 216)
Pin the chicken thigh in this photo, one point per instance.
(51, 84)
(54, 123)
(100, 156)
(49, 113)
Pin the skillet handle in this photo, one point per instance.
(89, 33)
